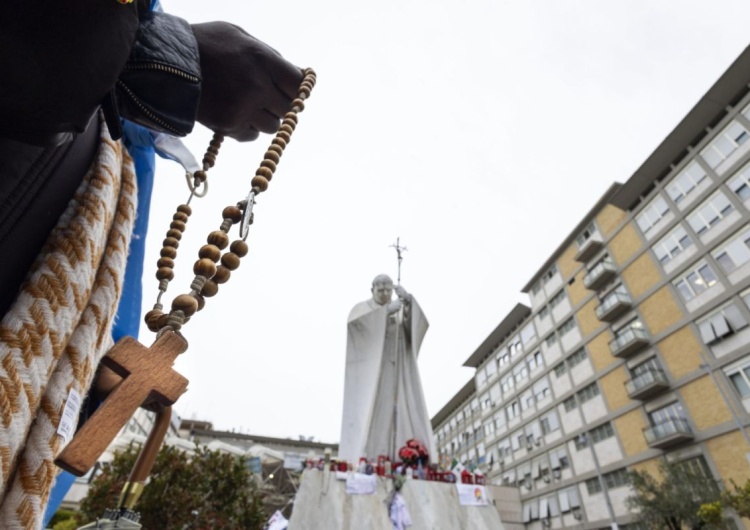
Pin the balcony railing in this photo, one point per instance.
(667, 433)
(628, 341)
(589, 248)
(599, 275)
(612, 306)
(647, 384)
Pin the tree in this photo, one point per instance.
(737, 499)
(205, 490)
(674, 501)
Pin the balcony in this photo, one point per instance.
(668, 433)
(647, 384)
(612, 306)
(629, 341)
(599, 275)
(589, 248)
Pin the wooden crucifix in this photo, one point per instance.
(148, 377)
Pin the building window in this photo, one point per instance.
(666, 414)
(528, 334)
(521, 372)
(541, 389)
(696, 466)
(695, 281)
(740, 378)
(584, 236)
(560, 369)
(550, 340)
(735, 253)
(602, 432)
(534, 360)
(543, 313)
(570, 403)
(549, 423)
(672, 244)
(567, 326)
(616, 479)
(506, 383)
(740, 183)
(686, 181)
(721, 324)
(555, 300)
(710, 212)
(576, 358)
(593, 486)
(512, 410)
(725, 143)
(652, 214)
(588, 392)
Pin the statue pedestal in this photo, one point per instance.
(323, 504)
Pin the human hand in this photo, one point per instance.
(247, 86)
(402, 294)
(394, 306)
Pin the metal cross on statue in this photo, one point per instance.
(399, 250)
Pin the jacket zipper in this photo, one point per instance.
(164, 68)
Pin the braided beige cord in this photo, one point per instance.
(59, 328)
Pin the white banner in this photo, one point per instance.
(360, 484)
(472, 495)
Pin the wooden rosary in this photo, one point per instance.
(147, 374)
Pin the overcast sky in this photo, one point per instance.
(478, 132)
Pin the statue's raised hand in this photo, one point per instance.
(394, 306)
(402, 294)
(247, 86)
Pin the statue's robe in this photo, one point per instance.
(381, 371)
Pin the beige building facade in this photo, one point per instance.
(635, 346)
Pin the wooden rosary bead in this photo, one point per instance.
(264, 172)
(272, 156)
(299, 104)
(280, 142)
(162, 321)
(270, 164)
(165, 273)
(284, 135)
(165, 262)
(171, 242)
(213, 149)
(259, 182)
(185, 303)
(285, 127)
(239, 247)
(181, 216)
(222, 275)
(304, 91)
(200, 175)
(201, 301)
(177, 234)
(210, 288)
(151, 319)
(218, 238)
(168, 252)
(209, 160)
(204, 267)
(178, 225)
(211, 252)
(291, 116)
(185, 208)
(233, 213)
(231, 261)
(279, 150)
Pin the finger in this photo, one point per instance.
(277, 102)
(265, 121)
(243, 134)
(286, 77)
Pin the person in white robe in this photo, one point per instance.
(384, 404)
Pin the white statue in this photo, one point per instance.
(383, 401)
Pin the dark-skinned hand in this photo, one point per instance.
(247, 86)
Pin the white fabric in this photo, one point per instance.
(378, 370)
(399, 513)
